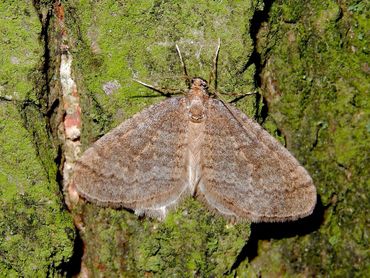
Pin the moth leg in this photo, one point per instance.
(239, 96)
(168, 93)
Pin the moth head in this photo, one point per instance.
(198, 83)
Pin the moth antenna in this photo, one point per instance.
(151, 87)
(187, 78)
(213, 74)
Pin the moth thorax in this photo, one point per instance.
(197, 110)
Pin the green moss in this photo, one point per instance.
(36, 233)
(20, 48)
(190, 241)
(291, 10)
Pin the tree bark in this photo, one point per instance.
(66, 80)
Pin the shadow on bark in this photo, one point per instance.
(267, 231)
(72, 267)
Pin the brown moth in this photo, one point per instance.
(200, 146)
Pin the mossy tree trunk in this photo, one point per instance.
(308, 63)
(315, 80)
(37, 232)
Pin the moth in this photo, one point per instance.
(195, 145)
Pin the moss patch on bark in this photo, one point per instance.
(37, 233)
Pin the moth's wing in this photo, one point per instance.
(139, 165)
(248, 174)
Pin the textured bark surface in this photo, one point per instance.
(309, 63)
(315, 79)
